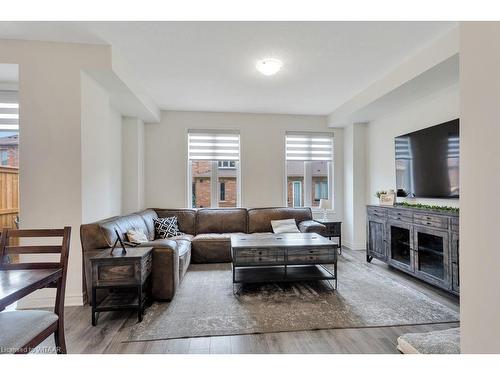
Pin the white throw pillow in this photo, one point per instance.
(136, 236)
(284, 226)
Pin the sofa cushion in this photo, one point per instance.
(311, 226)
(221, 220)
(184, 257)
(122, 224)
(259, 219)
(166, 227)
(212, 248)
(148, 215)
(160, 242)
(185, 237)
(185, 218)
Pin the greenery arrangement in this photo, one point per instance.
(429, 207)
(379, 193)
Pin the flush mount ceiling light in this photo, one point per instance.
(269, 66)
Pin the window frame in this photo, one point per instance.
(307, 182)
(214, 177)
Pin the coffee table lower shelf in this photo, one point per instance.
(282, 273)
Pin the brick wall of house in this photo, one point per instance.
(202, 172)
(200, 168)
(201, 191)
(231, 192)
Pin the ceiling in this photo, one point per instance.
(210, 66)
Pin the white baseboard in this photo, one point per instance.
(36, 302)
(354, 246)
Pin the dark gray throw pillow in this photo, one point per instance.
(166, 227)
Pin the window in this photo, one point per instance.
(309, 166)
(9, 128)
(4, 156)
(213, 169)
(226, 164)
(222, 191)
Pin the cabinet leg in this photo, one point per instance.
(368, 258)
(94, 318)
(141, 306)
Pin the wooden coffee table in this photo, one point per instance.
(289, 257)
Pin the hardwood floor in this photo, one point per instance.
(108, 335)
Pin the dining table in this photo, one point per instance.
(16, 284)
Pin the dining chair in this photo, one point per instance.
(22, 330)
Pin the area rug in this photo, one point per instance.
(205, 305)
(436, 342)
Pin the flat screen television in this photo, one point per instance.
(427, 162)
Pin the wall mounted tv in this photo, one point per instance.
(427, 162)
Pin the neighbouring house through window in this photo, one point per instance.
(309, 167)
(213, 168)
(222, 191)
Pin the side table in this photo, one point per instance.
(125, 277)
(333, 229)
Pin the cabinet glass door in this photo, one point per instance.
(432, 255)
(400, 238)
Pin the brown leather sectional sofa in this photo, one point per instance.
(207, 238)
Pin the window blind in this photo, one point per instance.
(309, 146)
(402, 148)
(213, 145)
(9, 110)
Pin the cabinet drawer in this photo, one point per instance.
(400, 215)
(311, 258)
(310, 251)
(431, 220)
(256, 252)
(377, 212)
(113, 274)
(259, 260)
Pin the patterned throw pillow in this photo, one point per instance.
(167, 227)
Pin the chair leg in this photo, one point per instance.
(60, 339)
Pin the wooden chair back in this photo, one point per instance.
(63, 250)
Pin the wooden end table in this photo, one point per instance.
(333, 229)
(126, 277)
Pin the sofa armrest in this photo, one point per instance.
(311, 226)
(165, 270)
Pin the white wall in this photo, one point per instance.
(262, 155)
(480, 180)
(354, 186)
(50, 141)
(101, 153)
(133, 165)
(381, 170)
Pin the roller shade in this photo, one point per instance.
(213, 145)
(9, 110)
(309, 146)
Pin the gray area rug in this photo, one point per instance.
(205, 305)
(437, 342)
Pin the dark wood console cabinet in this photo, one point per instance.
(423, 243)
